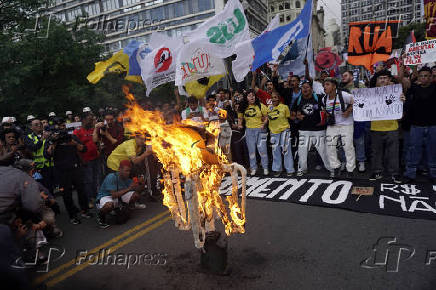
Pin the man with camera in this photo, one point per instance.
(64, 149)
(108, 134)
(118, 188)
(338, 107)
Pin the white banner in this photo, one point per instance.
(221, 33)
(195, 62)
(420, 52)
(159, 66)
(375, 104)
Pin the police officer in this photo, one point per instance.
(34, 142)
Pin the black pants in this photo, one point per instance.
(68, 179)
(48, 178)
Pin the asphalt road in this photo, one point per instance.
(286, 246)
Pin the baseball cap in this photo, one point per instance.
(8, 120)
(68, 113)
(30, 118)
(87, 110)
(52, 114)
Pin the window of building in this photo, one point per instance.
(297, 4)
(287, 5)
(280, 7)
(272, 8)
(288, 18)
(281, 19)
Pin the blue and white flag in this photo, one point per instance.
(269, 46)
(293, 61)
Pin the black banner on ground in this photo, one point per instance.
(406, 200)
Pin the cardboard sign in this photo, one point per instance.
(375, 104)
(420, 52)
(371, 41)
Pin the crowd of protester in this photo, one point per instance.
(274, 123)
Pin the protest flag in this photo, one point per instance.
(199, 88)
(269, 46)
(118, 63)
(371, 42)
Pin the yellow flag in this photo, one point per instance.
(198, 90)
(118, 63)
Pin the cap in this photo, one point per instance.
(8, 119)
(86, 109)
(68, 113)
(52, 114)
(30, 118)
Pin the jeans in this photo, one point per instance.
(68, 179)
(420, 136)
(385, 146)
(345, 132)
(257, 138)
(91, 177)
(359, 144)
(307, 139)
(281, 144)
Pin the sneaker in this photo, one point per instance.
(277, 173)
(343, 165)
(265, 172)
(253, 172)
(75, 221)
(289, 174)
(300, 173)
(375, 176)
(397, 179)
(86, 215)
(101, 222)
(335, 172)
(361, 167)
(139, 205)
(57, 232)
(349, 174)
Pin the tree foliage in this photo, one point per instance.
(419, 31)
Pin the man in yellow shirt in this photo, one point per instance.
(278, 116)
(129, 150)
(385, 140)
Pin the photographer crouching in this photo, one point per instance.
(64, 149)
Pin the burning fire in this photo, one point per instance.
(191, 152)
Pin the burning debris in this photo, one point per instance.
(192, 153)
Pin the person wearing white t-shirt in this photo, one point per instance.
(339, 109)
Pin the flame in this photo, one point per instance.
(185, 150)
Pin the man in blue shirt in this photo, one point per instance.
(117, 186)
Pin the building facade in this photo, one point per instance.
(288, 10)
(407, 11)
(124, 20)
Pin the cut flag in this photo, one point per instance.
(269, 46)
(118, 63)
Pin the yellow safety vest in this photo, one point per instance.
(38, 156)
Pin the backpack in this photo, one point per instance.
(298, 100)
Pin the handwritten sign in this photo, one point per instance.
(420, 52)
(375, 104)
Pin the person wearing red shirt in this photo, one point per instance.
(109, 133)
(91, 168)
